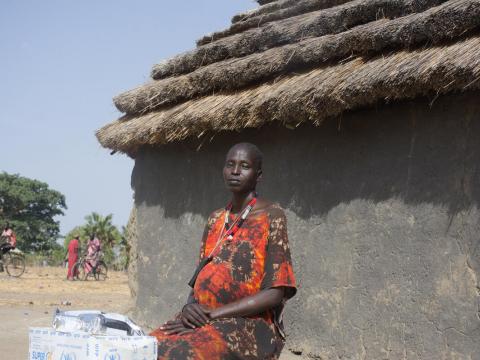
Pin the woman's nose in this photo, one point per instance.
(236, 169)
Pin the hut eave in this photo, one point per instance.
(311, 96)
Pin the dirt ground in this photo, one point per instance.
(32, 299)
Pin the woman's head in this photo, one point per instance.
(92, 236)
(243, 168)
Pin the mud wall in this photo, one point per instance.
(383, 211)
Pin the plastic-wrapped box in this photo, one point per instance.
(48, 344)
(95, 322)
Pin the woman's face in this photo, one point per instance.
(240, 172)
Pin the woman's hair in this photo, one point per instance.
(252, 150)
(92, 236)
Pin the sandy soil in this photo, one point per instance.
(32, 299)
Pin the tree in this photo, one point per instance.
(102, 227)
(31, 206)
(77, 230)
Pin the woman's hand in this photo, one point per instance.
(175, 327)
(195, 315)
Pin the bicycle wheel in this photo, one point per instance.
(79, 271)
(14, 264)
(101, 271)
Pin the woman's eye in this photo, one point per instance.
(245, 166)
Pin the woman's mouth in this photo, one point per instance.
(233, 182)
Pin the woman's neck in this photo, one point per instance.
(240, 201)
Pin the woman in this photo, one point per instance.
(235, 308)
(93, 253)
(72, 251)
(11, 238)
(7, 243)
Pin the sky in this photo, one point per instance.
(61, 62)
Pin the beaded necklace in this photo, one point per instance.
(237, 223)
(228, 234)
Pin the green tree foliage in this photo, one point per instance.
(112, 241)
(30, 206)
(77, 230)
(104, 229)
(80, 231)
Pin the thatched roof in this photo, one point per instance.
(263, 2)
(267, 14)
(311, 64)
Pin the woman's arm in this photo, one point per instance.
(250, 305)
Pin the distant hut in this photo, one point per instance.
(368, 113)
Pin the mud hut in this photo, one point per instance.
(368, 114)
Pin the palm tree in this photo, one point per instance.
(104, 229)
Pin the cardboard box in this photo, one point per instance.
(47, 344)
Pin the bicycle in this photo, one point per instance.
(98, 272)
(12, 260)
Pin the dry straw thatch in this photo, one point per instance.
(312, 96)
(269, 8)
(291, 30)
(306, 68)
(436, 25)
(263, 2)
(297, 8)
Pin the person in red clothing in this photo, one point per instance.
(244, 276)
(72, 250)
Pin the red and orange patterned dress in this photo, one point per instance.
(257, 258)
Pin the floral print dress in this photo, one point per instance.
(257, 258)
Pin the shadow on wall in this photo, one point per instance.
(408, 150)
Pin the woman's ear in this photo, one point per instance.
(259, 175)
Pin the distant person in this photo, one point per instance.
(93, 253)
(72, 250)
(8, 242)
(10, 239)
